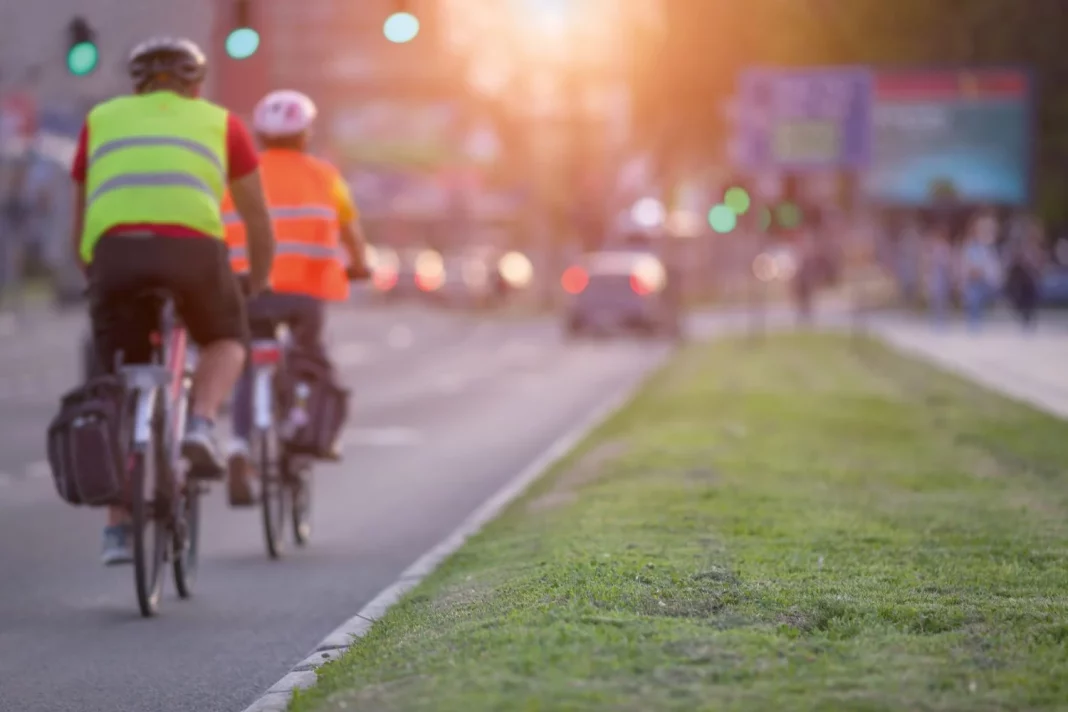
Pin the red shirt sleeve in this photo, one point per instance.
(240, 150)
(80, 166)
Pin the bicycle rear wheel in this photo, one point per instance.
(273, 493)
(186, 540)
(299, 478)
(149, 509)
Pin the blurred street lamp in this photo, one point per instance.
(648, 213)
(401, 27)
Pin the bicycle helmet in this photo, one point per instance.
(176, 57)
(284, 113)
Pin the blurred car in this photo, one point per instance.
(404, 272)
(472, 276)
(618, 291)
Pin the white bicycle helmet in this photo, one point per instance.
(284, 113)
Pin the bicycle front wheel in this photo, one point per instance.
(273, 493)
(148, 509)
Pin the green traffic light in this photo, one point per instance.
(242, 43)
(722, 219)
(764, 220)
(788, 215)
(737, 199)
(82, 58)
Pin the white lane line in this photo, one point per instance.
(38, 470)
(276, 698)
(352, 353)
(8, 324)
(451, 382)
(381, 437)
(400, 337)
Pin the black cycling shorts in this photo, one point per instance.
(195, 271)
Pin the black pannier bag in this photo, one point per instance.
(316, 407)
(86, 444)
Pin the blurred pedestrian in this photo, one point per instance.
(940, 261)
(980, 268)
(1025, 259)
(909, 249)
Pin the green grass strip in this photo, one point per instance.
(805, 524)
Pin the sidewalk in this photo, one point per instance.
(1029, 367)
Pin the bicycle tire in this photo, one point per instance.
(187, 539)
(299, 481)
(150, 533)
(273, 492)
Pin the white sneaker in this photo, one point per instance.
(238, 448)
(240, 475)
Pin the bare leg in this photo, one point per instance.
(218, 369)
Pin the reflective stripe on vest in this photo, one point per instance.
(133, 180)
(154, 159)
(296, 249)
(324, 212)
(141, 141)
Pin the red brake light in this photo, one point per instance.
(384, 280)
(574, 280)
(428, 283)
(639, 286)
(266, 354)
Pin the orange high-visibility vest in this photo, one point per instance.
(301, 196)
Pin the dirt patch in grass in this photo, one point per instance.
(585, 470)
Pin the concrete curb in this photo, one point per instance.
(302, 675)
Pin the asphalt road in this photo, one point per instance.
(447, 410)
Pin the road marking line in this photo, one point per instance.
(351, 354)
(302, 675)
(400, 337)
(381, 437)
(451, 382)
(38, 469)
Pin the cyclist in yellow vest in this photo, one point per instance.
(151, 170)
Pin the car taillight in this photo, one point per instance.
(429, 282)
(574, 280)
(640, 286)
(384, 279)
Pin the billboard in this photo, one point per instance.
(956, 133)
(804, 119)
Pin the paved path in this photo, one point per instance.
(1032, 367)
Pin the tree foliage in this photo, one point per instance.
(707, 42)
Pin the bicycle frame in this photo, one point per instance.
(170, 380)
(265, 356)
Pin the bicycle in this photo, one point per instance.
(164, 504)
(285, 478)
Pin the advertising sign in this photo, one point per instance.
(396, 132)
(805, 119)
(951, 133)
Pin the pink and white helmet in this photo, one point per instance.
(284, 113)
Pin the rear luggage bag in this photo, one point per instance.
(86, 444)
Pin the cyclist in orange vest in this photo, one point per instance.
(314, 219)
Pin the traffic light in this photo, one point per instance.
(83, 56)
(402, 26)
(243, 40)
